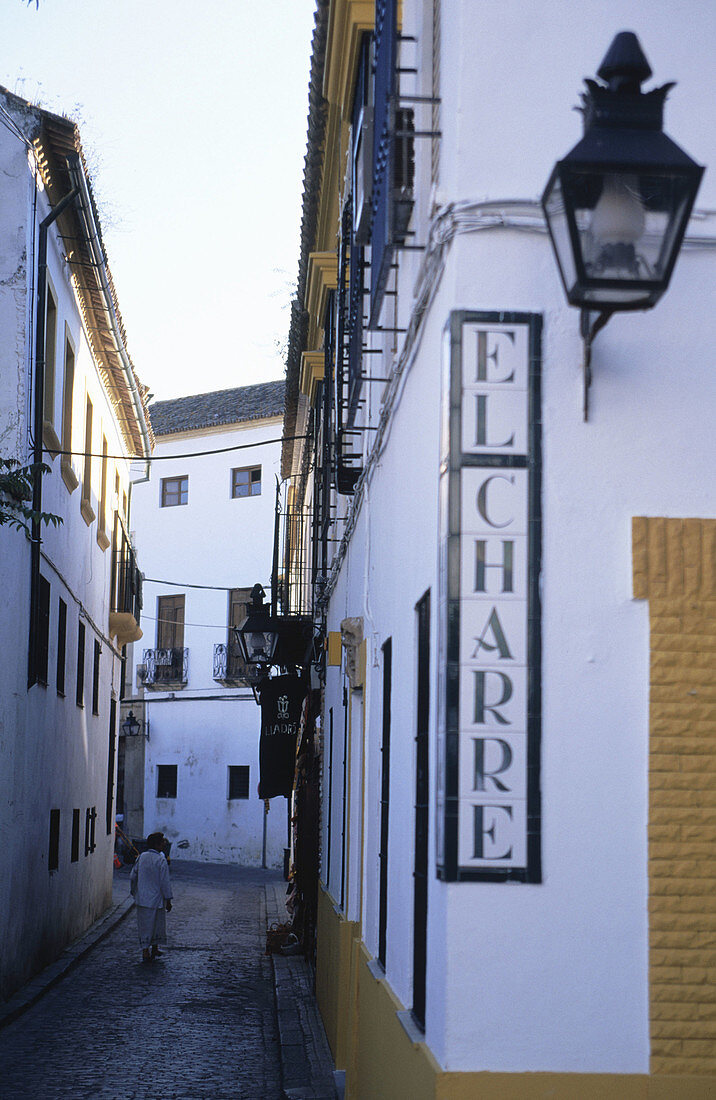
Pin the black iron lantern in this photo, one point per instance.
(131, 725)
(258, 634)
(618, 204)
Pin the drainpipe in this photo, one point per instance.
(39, 412)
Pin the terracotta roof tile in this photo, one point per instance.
(210, 410)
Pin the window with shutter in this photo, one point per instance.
(386, 37)
(170, 622)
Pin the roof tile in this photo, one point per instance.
(209, 410)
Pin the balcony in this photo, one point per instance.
(229, 667)
(126, 595)
(164, 669)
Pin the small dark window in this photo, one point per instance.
(238, 781)
(61, 645)
(95, 677)
(166, 780)
(246, 482)
(123, 673)
(53, 859)
(75, 852)
(384, 805)
(175, 490)
(422, 812)
(80, 692)
(90, 819)
(111, 755)
(43, 640)
(50, 355)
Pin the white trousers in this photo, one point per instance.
(152, 925)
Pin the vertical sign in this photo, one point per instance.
(489, 686)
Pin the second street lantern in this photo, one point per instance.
(617, 205)
(258, 634)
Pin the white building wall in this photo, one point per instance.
(54, 754)
(548, 977)
(205, 727)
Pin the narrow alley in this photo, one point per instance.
(199, 1022)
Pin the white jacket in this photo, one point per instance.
(149, 881)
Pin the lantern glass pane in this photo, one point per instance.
(629, 228)
(558, 222)
(261, 645)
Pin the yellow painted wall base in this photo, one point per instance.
(334, 944)
(570, 1086)
(382, 1063)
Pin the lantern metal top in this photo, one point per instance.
(617, 205)
(625, 66)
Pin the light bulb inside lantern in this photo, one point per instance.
(616, 225)
(618, 217)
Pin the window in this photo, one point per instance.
(166, 780)
(80, 692)
(95, 677)
(384, 806)
(53, 857)
(110, 762)
(422, 812)
(75, 848)
(329, 814)
(61, 645)
(68, 474)
(102, 536)
(48, 399)
(88, 513)
(43, 642)
(238, 781)
(175, 490)
(170, 622)
(90, 820)
(246, 482)
(393, 158)
(239, 603)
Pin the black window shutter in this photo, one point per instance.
(385, 88)
(43, 641)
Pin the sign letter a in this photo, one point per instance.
(498, 634)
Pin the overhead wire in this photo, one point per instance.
(165, 458)
(178, 584)
(209, 626)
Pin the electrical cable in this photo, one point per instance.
(178, 584)
(188, 454)
(8, 121)
(209, 626)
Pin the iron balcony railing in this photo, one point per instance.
(165, 668)
(229, 665)
(294, 568)
(127, 581)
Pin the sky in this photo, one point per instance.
(193, 121)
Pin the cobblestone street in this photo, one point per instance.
(198, 1023)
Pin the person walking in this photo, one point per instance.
(151, 887)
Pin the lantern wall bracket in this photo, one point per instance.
(588, 329)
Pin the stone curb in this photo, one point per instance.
(37, 986)
(306, 1064)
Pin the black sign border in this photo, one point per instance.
(448, 869)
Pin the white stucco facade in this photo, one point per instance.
(205, 726)
(58, 735)
(552, 975)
